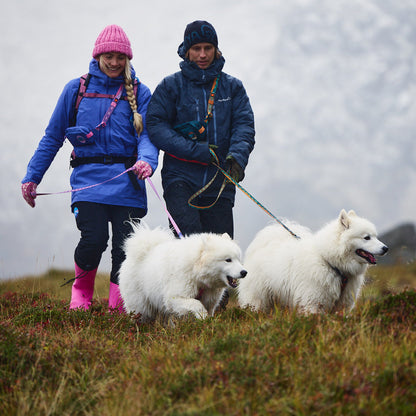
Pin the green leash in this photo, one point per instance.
(204, 188)
(216, 163)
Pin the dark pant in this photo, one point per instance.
(217, 219)
(92, 220)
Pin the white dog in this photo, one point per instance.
(319, 272)
(166, 276)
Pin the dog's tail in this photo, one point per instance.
(143, 239)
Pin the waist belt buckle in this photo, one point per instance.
(108, 160)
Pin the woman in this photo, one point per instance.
(108, 135)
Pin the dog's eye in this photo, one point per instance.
(228, 260)
(367, 237)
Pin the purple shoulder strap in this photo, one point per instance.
(83, 82)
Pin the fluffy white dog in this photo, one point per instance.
(319, 272)
(166, 276)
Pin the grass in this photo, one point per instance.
(56, 362)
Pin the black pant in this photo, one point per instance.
(92, 220)
(217, 219)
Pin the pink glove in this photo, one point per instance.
(142, 169)
(29, 192)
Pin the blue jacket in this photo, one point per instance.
(118, 138)
(183, 97)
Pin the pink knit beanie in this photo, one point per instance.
(112, 39)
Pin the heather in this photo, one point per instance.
(56, 362)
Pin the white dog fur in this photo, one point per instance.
(166, 276)
(307, 273)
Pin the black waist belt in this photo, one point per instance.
(128, 161)
(106, 160)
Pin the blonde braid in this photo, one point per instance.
(128, 85)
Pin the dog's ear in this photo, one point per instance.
(343, 219)
(204, 245)
(351, 213)
(226, 235)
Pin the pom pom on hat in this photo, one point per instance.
(197, 32)
(112, 39)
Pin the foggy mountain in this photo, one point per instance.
(332, 85)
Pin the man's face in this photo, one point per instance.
(202, 54)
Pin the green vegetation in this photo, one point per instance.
(56, 362)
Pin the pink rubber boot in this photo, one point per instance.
(82, 289)
(115, 302)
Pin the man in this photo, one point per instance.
(179, 111)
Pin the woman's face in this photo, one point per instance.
(112, 63)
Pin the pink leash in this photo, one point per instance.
(167, 212)
(175, 226)
(85, 187)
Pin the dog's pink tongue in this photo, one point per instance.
(366, 255)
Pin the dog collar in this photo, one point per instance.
(344, 278)
(200, 293)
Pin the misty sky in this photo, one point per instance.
(332, 85)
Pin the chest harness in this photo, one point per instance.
(105, 159)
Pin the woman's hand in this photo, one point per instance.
(29, 192)
(142, 169)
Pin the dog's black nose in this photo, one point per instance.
(243, 273)
(385, 250)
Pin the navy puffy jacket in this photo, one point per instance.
(183, 97)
